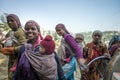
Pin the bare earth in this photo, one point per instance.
(3, 66)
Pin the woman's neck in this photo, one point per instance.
(32, 41)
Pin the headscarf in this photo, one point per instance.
(16, 19)
(62, 26)
(34, 23)
(97, 31)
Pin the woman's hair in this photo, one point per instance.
(62, 26)
(97, 31)
(34, 23)
(16, 19)
(37, 26)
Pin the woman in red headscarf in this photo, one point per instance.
(92, 50)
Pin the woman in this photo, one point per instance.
(14, 39)
(71, 50)
(92, 50)
(25, 71)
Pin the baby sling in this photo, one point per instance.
(71, 69)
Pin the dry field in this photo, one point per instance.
(3, 66)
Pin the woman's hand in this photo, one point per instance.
(82, 65)
(107, 55)
(7, 50)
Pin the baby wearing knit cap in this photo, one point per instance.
(47, 46)
(48, 69)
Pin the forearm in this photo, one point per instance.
(7, 50)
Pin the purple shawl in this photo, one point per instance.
(71, 41)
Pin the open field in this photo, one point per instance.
(3, 66)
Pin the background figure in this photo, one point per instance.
(92, 50)
(1, 39)
(70, 49)
(79, 38)
(14, 39)
(114, 44)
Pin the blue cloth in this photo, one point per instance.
(59, 69)
(69, 69)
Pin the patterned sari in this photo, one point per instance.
(93, 51)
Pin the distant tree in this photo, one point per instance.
(3, 22)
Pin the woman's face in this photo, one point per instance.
(96, 37)
(31, 31)
(60, 31)
(12, 23)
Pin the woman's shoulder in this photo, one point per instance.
(19, 31)
(89, 44)
(8, 34)
(68, 36)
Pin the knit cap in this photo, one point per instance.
(48, 44)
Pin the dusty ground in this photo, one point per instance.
(3, 66)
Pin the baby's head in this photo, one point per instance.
(47, 45)
(79, 38)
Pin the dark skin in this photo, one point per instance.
(96, 38)
(60, 31)
(31, 32)
(12, 23)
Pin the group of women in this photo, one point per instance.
(21, 65)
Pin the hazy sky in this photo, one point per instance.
(77, 15)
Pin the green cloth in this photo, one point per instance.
(20, 36)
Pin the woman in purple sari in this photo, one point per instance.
(71, 50)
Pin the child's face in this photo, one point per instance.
(79, 40)
(12, 23)
(31, 31)
(42, 49)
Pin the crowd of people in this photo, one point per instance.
(33, 57)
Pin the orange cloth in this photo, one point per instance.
(7, 50)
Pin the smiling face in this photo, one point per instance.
(12, 23)
(60, 31)
(31, 31)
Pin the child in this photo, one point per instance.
(43, 61)
(47, 47)
(79, 38)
